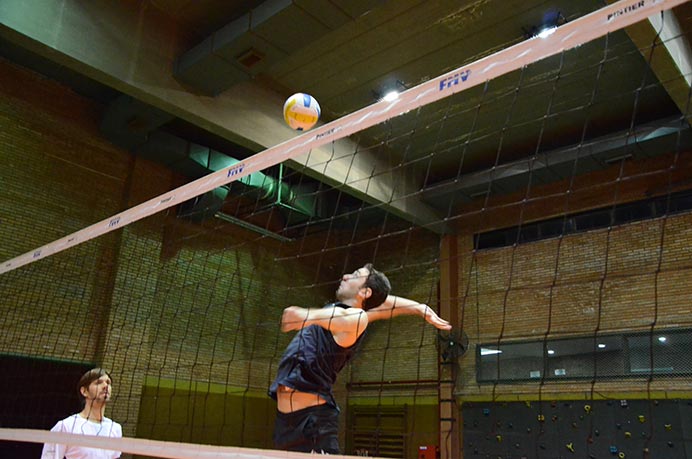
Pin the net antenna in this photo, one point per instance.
(580, 31)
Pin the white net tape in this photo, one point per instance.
(152, 448)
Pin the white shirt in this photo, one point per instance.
(79, 425)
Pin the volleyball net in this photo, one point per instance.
(561, 260)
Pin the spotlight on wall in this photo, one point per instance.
(551, 21)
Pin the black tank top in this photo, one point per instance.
(312, 361)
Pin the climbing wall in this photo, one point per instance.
(656, 429)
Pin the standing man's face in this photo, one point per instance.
(98, 390)
(351, 284)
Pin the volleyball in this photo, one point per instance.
(301, 111)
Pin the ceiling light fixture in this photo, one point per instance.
(551, 21)
(390, 92)
(391, 95)
(547, 31)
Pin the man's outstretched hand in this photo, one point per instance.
(395, 306)
(433, 319)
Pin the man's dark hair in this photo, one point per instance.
(89, 377)
(378, 283)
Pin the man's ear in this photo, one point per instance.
(83, 390)
(366, 292)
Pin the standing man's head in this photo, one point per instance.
(366, 288)
(95, 387)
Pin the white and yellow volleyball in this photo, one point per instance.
(301, 111)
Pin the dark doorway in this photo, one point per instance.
(35, 394)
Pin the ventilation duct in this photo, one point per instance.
(204, 206)
(127, 122)
(133, 125)
(647, 140)
(298, 203)
(258, 40)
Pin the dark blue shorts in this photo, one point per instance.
(313, 429)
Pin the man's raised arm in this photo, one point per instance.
(395, 306)
(346, 325)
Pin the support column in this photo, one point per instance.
(450, 422)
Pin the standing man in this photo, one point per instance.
(308, 416)
(95, 388)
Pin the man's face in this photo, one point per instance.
(99, 390)
(351, 284)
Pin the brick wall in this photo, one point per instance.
(57, 177)
(626, 278)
